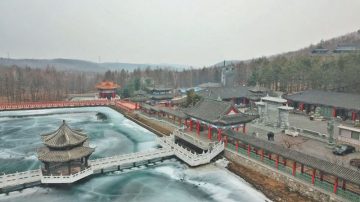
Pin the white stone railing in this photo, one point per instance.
(193, 140)
(67, 178)
(191, 158)
(18, 178)
(349, 140)
(119, 160)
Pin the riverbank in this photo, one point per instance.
(273, 189)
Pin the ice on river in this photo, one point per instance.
(167, 181)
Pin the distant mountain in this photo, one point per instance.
(350, 39)
(82, 65)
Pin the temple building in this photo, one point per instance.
(256, 93)
(65, 151)
(160, 95)
(216, 116)
(332, 104)
(107, 89)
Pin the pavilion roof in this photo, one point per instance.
(47, 155)
(326, 98)
(107, 85)
(217, 113)
(313, 162)
(64, 136)
(225, 92)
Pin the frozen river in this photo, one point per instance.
(168, 181)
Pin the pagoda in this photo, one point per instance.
(107, 89)
(65, 152)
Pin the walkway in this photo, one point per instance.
(101, 165)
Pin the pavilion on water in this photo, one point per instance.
(107, 89)
(216, 116)
(65, 151)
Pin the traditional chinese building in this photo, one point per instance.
(160, 95)
(107, 89)
(216, 116)
(65, 151)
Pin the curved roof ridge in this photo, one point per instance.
(64, 136)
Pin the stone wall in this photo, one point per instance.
(293, 183)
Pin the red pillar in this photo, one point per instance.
(302, 168)
(270, 156)
(285, 162)
(237, 129)
(262, 154)
(219, 134)
(197, 127)
(244, 128)
(277, 161)
(334, 112)
(344, 185)
(191, 125)
(248, 150)
(313, 176)
(336, 184)
(209, 132)
(237, 146)
(321, 176)
(113, 95)
(294, 169)
(353, 116)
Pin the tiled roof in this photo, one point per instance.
(225, 92)
(215, 112)
(47, 155)
(326, 98)
(63, 137)
(313, 162)
(107, 85)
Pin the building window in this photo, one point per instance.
(355, 135)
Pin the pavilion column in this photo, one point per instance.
(191, 124)
(237, 129)
(353, 116)
(69, 167)
(302, 168)
(344, 185)
(209, 132)
(86, 161)
(277, 161)
(294, 169)
(197, 127)
(219, 134)
(336, 184)
(313, 176)
(248, 149)
(334, 112)
(244, 128)
(285, 162)
(270, 156)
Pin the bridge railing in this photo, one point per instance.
(54, 104)
(118, 160)
(188, 156)
(67, 178)
(13, 179)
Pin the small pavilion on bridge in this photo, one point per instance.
(216, 116)
(107, 89)
(65, 151)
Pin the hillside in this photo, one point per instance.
(82, 65)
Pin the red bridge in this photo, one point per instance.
(125, 105)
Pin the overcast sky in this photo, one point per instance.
(194, 32)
